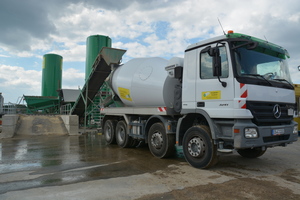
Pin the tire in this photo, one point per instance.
(109, 130)
(122, 137)
(198, 147)
(160, 144)
(251, 153)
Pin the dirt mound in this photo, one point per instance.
(40, 125)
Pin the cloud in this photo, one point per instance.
(144, 28)
(15, 81)
(24, 22)
(29, 22)
(17, 77)
(72, 53)
(72, 79)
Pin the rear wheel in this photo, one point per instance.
(252, 153)
(198, 148)
(160, 144)
(122, 137)
(109, 131)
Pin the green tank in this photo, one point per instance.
(51, 75)
(94, 44)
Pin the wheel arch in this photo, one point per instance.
(155, 119)
(191, 119)
(113, 117)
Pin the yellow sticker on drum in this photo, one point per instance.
(209, 95)
(124, 93)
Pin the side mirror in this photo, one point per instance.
(216, 62)
(217, 70)
(206, 50)
(214, 52)
(252, 45)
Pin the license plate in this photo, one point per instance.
(290, 112)
(278, 131)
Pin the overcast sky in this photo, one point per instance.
(164, 28)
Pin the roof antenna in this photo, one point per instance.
(266, 39)
(221, 26)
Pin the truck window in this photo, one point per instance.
(206, 70)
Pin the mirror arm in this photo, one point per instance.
(224, 84)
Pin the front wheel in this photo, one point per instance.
(160, 144)
(252, 153)
(198, 148)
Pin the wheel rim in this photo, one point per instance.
(121, 134)
(108, 133)
(196, 147)
(157, 140)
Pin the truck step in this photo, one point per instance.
(225, 150)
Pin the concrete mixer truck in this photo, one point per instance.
(229, 93)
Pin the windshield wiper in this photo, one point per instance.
(261, 76)
(250, 45)
(283, 80)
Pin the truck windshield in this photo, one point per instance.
(261, 66)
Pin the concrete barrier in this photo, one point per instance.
(39, 125)
(71, 123)
(9, 125)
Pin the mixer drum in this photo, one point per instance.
(144, 82)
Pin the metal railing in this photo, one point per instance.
(66, 109)
(11, 108)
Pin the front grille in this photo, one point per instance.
(264, 116)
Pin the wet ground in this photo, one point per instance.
(85, 167)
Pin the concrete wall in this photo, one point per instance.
(39, 125)
(9, 125)
(71, 123)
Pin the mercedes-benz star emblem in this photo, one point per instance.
(277, 111)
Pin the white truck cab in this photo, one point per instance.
(240, 87)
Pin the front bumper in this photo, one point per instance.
(265, 137)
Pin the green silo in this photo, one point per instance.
(52, 74)
(94, 44)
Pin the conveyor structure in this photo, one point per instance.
(101, 69)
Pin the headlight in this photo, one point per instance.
(295, 131)
(251, 133)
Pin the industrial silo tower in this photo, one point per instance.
(51, 75)
(94, 44)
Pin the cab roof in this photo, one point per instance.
(236, 36)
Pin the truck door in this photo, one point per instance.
(213, 96)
